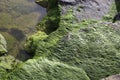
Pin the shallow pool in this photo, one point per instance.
(18, 19)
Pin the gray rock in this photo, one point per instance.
(113, 77)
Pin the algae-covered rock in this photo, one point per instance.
(3, 45)
(3, 73)
(47, 70)
(7, 64)
(95, 49)
(33, 40)
(90, 44)
(66, 49)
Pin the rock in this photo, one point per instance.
(47, 70)
(3, 46)
(71, 2)
(8, 62)
(92, 9)
(61, 54)
(113, 77)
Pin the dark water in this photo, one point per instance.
(18, 19)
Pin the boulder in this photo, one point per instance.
(47, 70)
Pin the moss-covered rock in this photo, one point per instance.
(33, 40)
(94, 48)
(66, 49)
(3, 45)
(47, 70)
(7, 64)
(89, 44)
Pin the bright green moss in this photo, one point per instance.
(7, 64)
(69, 46)
(55, 26)
(47, 70)
(94, 48)
(34, 40)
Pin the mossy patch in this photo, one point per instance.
(93, 48)
(7, 64)
(72, 50)
(47, 70)
(34, 40)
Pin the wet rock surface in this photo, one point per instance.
(89, 9)
(17, 21)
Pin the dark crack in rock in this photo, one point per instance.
(70, 2)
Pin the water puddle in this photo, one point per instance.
(18, 19)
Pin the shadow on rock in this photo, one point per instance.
(117, 2)
(18, 34)
(23, 55)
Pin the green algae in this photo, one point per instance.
(47, 70)
(7, 64)
(33, 40)
(91, 48)
(86, 50)
(90, 45)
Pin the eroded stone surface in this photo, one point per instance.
(89, 9)
(113, 77)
